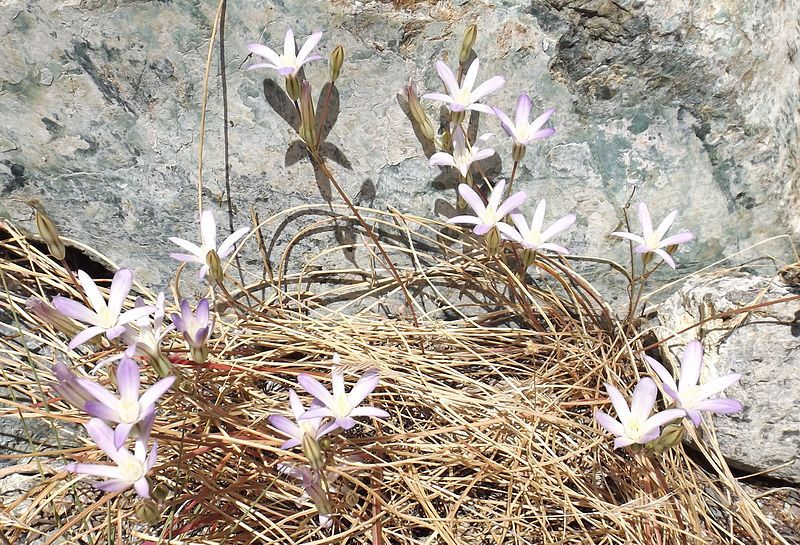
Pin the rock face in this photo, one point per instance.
(764, 346)
(694, 107)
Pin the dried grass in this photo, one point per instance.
(491, 438)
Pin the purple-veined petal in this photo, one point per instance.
(720, 405)
(85, 335)
(363, 387)
(482, 228)
(695, 416)
(374, 412)
(691, 364)
(651, 435)
(609, 424)
(438, 96)
(327, 428)
(74, 309)
(201, 314)
(644, 220)
(153, 456)
(472, 199)
(441, 158)
(447, 77)
(664, 226)
(288, 45)
(266, 52)
(186, 258)
(262, 65)
(151, 395)
(202, 272)
(540, 134)
(227, 245)
(482, 154)
(283, 424)
(628, 236)
(670, 388)
(128, 379)
(121, 433)
(487, 87)
(619, 403)
(553, 248)
(309, 59)
(310, 43)
(337, 384)
(91, 290)
(286, 70)
(313, 387)
(659, 419)
(190, 247)
(680, 238)
(560, 225)
(115, 332)
(508, 231)
(539, 122)
(643, 399)
(496, 196)
(142, 488)
(523, 110)
(537, 220)
(512, 203)
(295, 403)
(208, 230)
(135, 314)
(717, 385)
(120, 287)
(521, 224)
(95, 470)
(99, 393)
(505, 122)
(290, 444)
(103, 437)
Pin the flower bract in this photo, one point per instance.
(690, 396)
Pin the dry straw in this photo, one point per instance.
(491, 438)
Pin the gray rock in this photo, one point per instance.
(694, 107)
(764, 346)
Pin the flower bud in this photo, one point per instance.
(337, 59)
(214, 267)
(308, 122)
(447, 141)
(646, 258)
(293, 87)
(492, 239)
(418, 113)
(53, 317)
(518, 152)
(69, 388)
(671, 249)
(160, 492)
(162, 366)
(313, 451)
(49, 233)
(470, 35)
(528, 257)
(670, 436)
(324, 442)
(148, 512)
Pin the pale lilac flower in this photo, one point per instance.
(301, 426)
(69, 388)
(129, 408)
(208, 242)
(340, 406)
(195, 326)
(290, 62)
(129, 469)
(534, 238)
(463, 97)
(146, 340)
(103, 318)
(691, 396)
(313, 489)
(490, 215)
(635, 425)
(654, 241)
(521, 130)
(462, 156)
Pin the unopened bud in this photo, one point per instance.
(518, 152)
(308, 122)
(337, 59)
(418, 113)
(160, 492)
(646, 258)
(470, 35)
(293, 87)
(148, 512)
(670, 437)
(492, 239)
(324, 442)
(214, 267)
(528, 257)
(49, 315)
(49, 233)
(672, 248)
(161, 365)
(313, 452)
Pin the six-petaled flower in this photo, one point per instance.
(690, 396)
(532, 237)
(654, 241)
(292, 60)
(491, 214)
(301, 426)
(521, 129)
(463, 156)
(463, 97)
(208, 242)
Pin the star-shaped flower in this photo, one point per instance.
(463, 97)
(462, 156)
(129, 469)
(340, 406)
(291, 61)
(521, 130)
(490, 215)
(104, 317)
(129, 408)
(635, 425)
(147, 340)
(297, 429)
(208, 242)
(654, 241)
(534, 238)
(691, 396)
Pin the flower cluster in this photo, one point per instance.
(635, 424)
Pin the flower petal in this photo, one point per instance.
(523, 111)
(288, 45)
(310, 43)
(85, 335)
(208, 231)
(487, 87)
(113, 486)
(538, 217)
(103, 437)
(539, 122)
(508, 231)
(284, 425)
(441, 158)
(667, 381)
(477, 107)
(721, 405)
(560, 225)
(469, 220)
(313, 387)
(438, 96)
(227, 245)
(664, 226)
(92, 292)
(619, 403)
(659, 419)
(96, 470)
(448, 78)
(472, 199)
(266, 52)
(609, 424)
(512, 203)
(680, 238)
(363, 387)
(666, 257)
(643, 399)
(629, 236)
(644, 220)
(471, 76)
(190, 247)
(142, 488)
(128, 379)
(74, 309)
(151, 395)
(717, 385)
(121, 433)
(374, 412)
(691, 365)
(120, 287)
